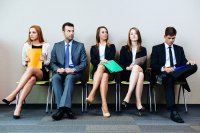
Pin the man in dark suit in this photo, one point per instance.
(68, 59)
(169, 63)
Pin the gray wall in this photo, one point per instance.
(150, 16)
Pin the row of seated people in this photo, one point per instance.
(68, 59)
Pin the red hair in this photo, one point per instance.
(39, 32)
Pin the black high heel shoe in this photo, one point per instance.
(141, 111)
(8, 102)
(16, 116)
(124, 104)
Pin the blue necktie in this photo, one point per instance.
(67, 56)
(170, 57)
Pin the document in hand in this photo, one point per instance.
(112, 66)
(34, 55)
(140, 61)
(180, 67)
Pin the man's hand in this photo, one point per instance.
(191, 62)
(69, 70)
(168, 69)
(60, 70)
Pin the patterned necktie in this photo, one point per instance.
(170, 57)
(67, 56)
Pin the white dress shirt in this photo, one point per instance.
(134, 55)
(102, 48)
(167, 59)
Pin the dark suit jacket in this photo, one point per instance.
(158, 57)
(79, 57)
(95, 59)
(126, 58)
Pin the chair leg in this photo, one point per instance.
(179, 92)
(150, 98)
(154, 97)
(116, 99)
(186, 110)
(86, 94)
(82, 99)
(119, 98)
(47, 103)
(52, 99)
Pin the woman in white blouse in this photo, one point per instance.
(133, 62)
(31, 75)
(101, 52)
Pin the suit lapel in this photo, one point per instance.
(164, 52)
(74, 46)
(176, 53)
(62, 50)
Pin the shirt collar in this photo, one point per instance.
(167, 46)
(70, 43)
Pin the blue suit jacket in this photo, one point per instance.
(79, 57)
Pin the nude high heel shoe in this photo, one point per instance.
(89, 101)
(105, 115)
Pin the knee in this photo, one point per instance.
(141, 75)
(105, 76)
(70, 78)
(100, 67)
(56, 77)
(136, 68)
(32, 80)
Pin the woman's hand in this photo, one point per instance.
(106, 61)
(130, 67)
(27, 60)
(42, 57)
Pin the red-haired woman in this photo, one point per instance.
(133, 62)
(31, 75)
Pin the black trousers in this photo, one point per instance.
(170, 79)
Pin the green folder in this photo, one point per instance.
(112, 66)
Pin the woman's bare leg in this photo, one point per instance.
(138, 90)
(103, 91)
(26, 90)
(132, 82)
(24, 79)
(96, 81)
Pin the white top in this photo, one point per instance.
(70, 55)
(102, 48)
(45, 51)
(134, 55)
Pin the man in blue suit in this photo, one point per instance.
(168, 61)
(68, 60)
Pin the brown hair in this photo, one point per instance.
(139, 42)
(39, 32)
(98, 38)
(67, 24)
(171, 31)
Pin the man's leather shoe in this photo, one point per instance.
(176, 117)
(70, 114)
(58, 115)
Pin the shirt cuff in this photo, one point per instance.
(162, 69)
